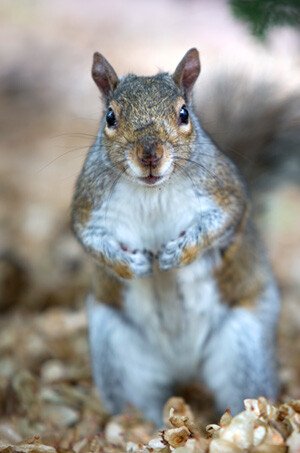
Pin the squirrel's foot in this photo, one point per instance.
(181, 251)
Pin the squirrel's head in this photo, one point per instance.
(148, 130)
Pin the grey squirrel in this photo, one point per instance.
(184, 291)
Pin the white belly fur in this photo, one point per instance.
(144, 217)
(176, 309)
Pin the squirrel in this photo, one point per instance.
(183, 291)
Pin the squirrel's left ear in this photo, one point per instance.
(187, 71)
(104, 75)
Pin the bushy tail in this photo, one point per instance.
(253, 115)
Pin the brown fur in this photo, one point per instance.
(122, 270)
(242, 273)
(189, 254)
(107, 288)
(84, 210)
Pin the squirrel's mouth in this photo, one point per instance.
(150, 179)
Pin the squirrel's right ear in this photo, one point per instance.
(104, 75)
(187, 71)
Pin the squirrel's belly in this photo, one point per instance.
(176, 310)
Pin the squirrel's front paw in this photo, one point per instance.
(128, 263)
(181, 251)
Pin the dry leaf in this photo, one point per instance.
(176, 437)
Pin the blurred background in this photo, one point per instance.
(50, 110)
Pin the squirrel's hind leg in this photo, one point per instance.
(126, 370)
(241, 360)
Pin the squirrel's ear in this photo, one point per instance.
(104, 75)
(187, 71)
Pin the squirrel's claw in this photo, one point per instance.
(181, 251)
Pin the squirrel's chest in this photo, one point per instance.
(143, 217)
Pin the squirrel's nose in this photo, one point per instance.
(150, 160)
(150, 155)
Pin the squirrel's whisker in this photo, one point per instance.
(200, 166)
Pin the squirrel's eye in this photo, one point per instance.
(183, 115)
(111, 118)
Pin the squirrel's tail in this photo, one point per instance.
(253, 115)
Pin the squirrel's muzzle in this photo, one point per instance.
(150, 153)
(149, 161)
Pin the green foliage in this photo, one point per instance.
(263, 14)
